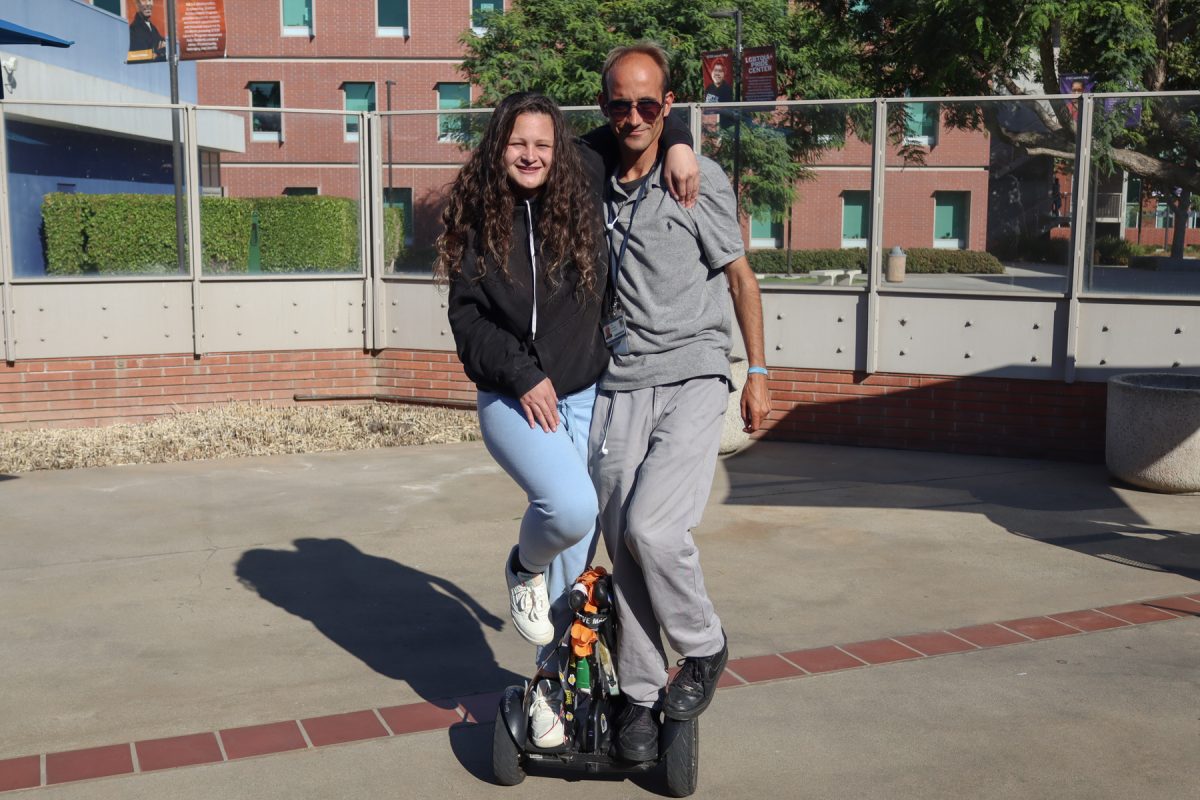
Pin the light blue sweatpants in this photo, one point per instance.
(558, 529)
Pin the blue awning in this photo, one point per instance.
(11, 33)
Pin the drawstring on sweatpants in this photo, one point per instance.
(607, 421)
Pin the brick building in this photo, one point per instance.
(365, 55)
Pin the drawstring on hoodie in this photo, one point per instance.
(532, 268)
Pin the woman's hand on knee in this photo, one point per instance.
(541, 406)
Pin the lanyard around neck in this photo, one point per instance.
(532, 268)
(617, 260)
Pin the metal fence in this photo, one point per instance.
(1018, 261)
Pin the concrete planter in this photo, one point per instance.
(1153, 430)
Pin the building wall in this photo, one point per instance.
(1044, 419)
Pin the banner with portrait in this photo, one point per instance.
(717, 66)
(200, 26)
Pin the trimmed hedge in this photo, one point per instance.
(135, 233)
(920, 260)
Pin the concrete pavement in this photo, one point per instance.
(155, 601)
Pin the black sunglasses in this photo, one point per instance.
(648, 110)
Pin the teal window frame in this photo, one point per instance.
(960, 226)
(298, 17)
(392, 17)
(765, 230)
(478, 13)
(401, 197)
(266, 127)
(860, 222)
(358, 96)
(111, 6)
(921, 123)
(451, 127)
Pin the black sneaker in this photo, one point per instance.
(693, 688)
(637, 734)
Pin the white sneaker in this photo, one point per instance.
(529, 605)
(545, 716)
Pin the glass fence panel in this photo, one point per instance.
(1144, 236)
(973, 201)
(803, 179)
(92, 191)
(279, 193)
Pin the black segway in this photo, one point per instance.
(591, 701)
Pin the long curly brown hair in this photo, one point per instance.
(482, 200)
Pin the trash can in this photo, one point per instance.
(895, 265)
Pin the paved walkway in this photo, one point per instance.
(902, 625)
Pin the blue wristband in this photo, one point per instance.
(757, 371)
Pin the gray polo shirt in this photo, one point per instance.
(672, 285)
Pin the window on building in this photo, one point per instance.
(401, 198)
(301, 191)
(950, 211)
(111, 6)
(921, 122)
(210, 173)
(1132, 212)
(391, 17)
(453, 127)
(856, 218)
(266, 126)
(298, 18)
(1163, 218)
(765, 230)
(359, 97)
(479, 11)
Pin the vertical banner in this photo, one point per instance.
(201, 29)
(758, 74)
(717, 67)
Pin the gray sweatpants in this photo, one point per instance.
(652, 485)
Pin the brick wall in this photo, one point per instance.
(1042, 419)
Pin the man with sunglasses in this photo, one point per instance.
(658, 417)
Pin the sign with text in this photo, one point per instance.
(758, 74)
(200, 27)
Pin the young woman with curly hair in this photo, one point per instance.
(527, 264)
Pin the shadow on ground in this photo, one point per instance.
(401, 622)
(1066, 505)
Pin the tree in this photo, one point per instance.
(1020, 47)
(558, 47)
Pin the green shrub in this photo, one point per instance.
(63, 219)
(957, 262)
(225, 225)
(393, 236)
(130, 233)
(775, 262)
(920, 260)
(308, 234)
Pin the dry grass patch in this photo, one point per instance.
(236, 429)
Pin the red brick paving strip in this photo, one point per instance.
(1137, 613)
(277, 737)
(880, 651)
(20, 773)
(338, 728)
(936, 644)
(988, 635)
(94, 762)
(259, 740)
(1039, 627)
(822, 659)
(764, 668)
(1090, 620)
(420, 717)
(178, 751)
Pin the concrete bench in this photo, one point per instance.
(851, 274)
(827, 277)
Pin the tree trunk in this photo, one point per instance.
(1181, 220)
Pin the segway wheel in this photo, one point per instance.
(680, 746)
(507, 761)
